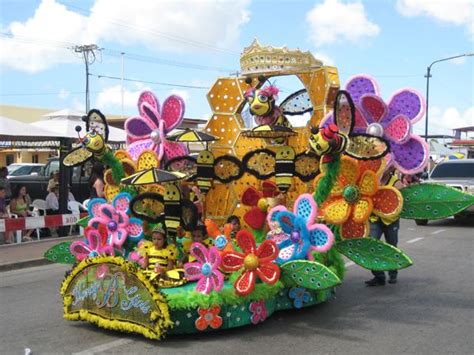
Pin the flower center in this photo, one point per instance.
(208, 317)
(351, 193)
(155, 136)
(251, 262)
(375, 129)
(206, 269)
(262, 204)
(295, 236)
(221, 242)
(112, 226)
(93, 253)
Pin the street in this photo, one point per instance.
(430, 310)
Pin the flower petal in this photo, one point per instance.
(193, 271)
(287, 221)
(245, 283)
(388, 202)
(361, 121)
(246, 241)
(217, 280)
(398, 130)
(107, 212)
(269, 189)
(287, 250)
(406, 102)
(215, 322)
(268, 273)
(214, 258)
(201, 323)
(232, 261)
(305, 207)
(200, 252)
(351, 229)
(139, 127)
(268, 250)
(273, 213)
(204, 285)
(362, 210)
(335, 210)
(411, 156)
(251, 196)
(172, 150)
(80, 249)
(373, 106)
(320, 237)
(121, 202)
(172, 112)
(349, 171)
(135, 229)
(151, 99)
(368, 183)
(255, 218)
(360, 85)
(93, 239)
(93, 206)
(136, 148)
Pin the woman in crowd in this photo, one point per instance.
(96, 181)
(19, 205)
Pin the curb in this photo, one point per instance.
(24, 264)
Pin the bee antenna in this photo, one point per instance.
(78, 129)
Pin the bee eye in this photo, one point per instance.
(318, 147)
(262, 98)
(314, 130)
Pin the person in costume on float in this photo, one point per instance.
(388, 227)
(198, 235)
(235, 222)
(160, 257)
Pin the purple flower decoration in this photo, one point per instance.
(148, 131)
(205, 269)
(91, 247)
(393, 121)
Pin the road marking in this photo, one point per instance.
(438, 231)
(104, 347)
(415, 240)
(349, 263)
(411, 229)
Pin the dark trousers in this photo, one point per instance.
(390, 233)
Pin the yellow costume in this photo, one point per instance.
(162, 257)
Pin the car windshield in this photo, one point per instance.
(11, 168)
(22, 170)
(459, 170)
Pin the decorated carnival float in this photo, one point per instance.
(160, 254)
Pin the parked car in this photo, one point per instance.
(37, 185)
(455, 173)
(18, 169)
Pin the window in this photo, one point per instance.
(456, 171)
(35, 159)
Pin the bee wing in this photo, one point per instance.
(77, 157)
(297, 103)
(366, 147)
(306, 166)
(228, 168)
(260, 163)
(96, 121)
(148, 206)
(344, 112)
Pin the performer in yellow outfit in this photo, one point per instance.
(160, 261)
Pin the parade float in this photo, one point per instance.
(303, 195)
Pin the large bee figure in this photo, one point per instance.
(284, 167)
(262, 106)
(333, 139)
(93, 144)
(205, 170)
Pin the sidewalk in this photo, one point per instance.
(18, 256)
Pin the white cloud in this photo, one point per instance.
(183, 93)
(334, 21)
(78, 105)
(325, 58)
(41, 41)
(110, 98)
(444, 121)
(457, 12)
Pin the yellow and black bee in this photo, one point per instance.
(172, 208)
(336, 138)
(284, 167)
(205, 170)
(93, 144)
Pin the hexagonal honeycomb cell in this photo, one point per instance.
(225, 127)
(225, 96)
(220, 202)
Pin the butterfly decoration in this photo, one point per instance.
(149, 129)
(93, 144)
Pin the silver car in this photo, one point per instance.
(455, 173)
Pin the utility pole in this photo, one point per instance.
(88, 54)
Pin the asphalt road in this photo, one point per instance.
(429, 311)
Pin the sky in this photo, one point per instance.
(189, 44)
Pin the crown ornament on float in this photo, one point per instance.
(258, 59)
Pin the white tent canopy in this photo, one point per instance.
(16, 134)
(66, 126)
(66, 113)
(437, 148)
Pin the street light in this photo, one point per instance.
(428, 76)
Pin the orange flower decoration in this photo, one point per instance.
(208, 318)
(255, 262)
(356, 195)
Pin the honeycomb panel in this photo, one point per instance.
(220, 202)
(225, 127)
(225, 96)
(317, 117)
(243, 145)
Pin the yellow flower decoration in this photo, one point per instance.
(356, 195)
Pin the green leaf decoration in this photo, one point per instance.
(60, 253)
(373, 254)
(433, 201)
(309, 274)
(83, 221)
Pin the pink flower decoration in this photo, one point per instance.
(93, 246)
(205, 269)
(148, 131)
(115, 219)
(393, 121)
(136, 256)
(259, 311)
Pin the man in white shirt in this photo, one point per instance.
(52, 202)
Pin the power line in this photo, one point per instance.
(89, 56)
(151, 82)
